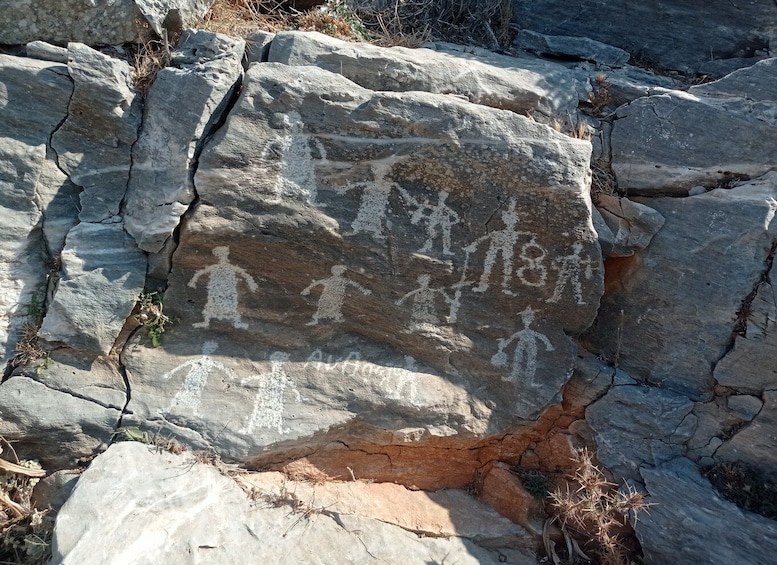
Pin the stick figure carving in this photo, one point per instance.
(370, 217)
(524, 362)
(189, 396)
(569, 267)
(440, 216)
(222, 290)
(330, 303)
(268, 404)
(500, 242)
(424, 310)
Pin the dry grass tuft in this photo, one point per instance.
(240, 17)
(27, 347)
(149, 58)
(595, 517)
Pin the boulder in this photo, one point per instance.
(120, 21)
(675, 35)
(689, 523)
(756, 443)
(208, 69)
(683, 293)
(147, 507)
(631, 224)
(482, 77)
(26, 124)
(637, 425)
(581, 48)
(709, 136)
(454, 255)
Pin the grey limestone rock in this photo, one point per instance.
(93, 23)
(690, 523)
(482, 77)
(581, 48)
(682, 293)
(398, 260)
(46, 52)
(674, 35)
(258, 46)
(631, 224)
(34, 97)
(637, 425)
(157, 507)
(710, 135)
(161, 185)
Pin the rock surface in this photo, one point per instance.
(429, 301)
(675, 35)
(120, 21)
(170, 504)
(580, 48)
(713, 248)
(689, 523)
(708, 136)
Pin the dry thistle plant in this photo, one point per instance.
(596, 518)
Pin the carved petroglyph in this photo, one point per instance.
(524, 362)
(500, 242)
(347, 365)
(772, 203)
(330, 303)
(400, 382)
(297, 175)
(440, 216)
(569, 269)
(371, 216)
(222, 290)
(189, 396)
(532, 272)
(269, 402)
(424, 311)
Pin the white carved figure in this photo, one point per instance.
(371, 215)
(440, 216)
(424, 311)
(297, 175)
(569, 271)
(772, 203)
(330, 303)
(269, 404)
(524, 362)
(500, 242)
(189, 396)
(222, 290)
(400, 382)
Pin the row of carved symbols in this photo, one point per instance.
(223, 278)
(398, 383)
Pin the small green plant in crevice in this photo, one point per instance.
(133, 433)
(25, 532)
(152, 317)
(596, 518)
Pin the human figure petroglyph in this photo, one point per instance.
(400, 382)
(500, 242)
(371, 216)
(330, 303)
(440, 216)
(569, 269)
(222, 290)
(297, 175)
(269, 401)
(189, 396)
(424, 310)
(524, 362)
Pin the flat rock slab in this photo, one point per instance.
(581, 48)
(142, 507)
(708, 136)
(637, 425)
(117, 22)
(402, 260)
(690, 523)
(675, 36)
(684, 291)
(522, 85)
